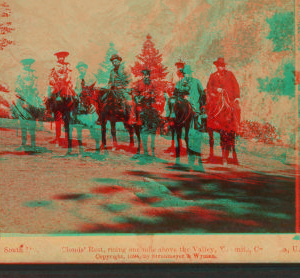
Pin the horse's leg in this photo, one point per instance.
(130, 129)
(153, 136)
(178, 134)
(235, 159)
(103, 131)
(191, 155)
(66, 120)
(173, 138)
(211, 145)
(138, 135)
(224, 145)
(114, 134)
(93, 132)
(145, 142)
(79, 140)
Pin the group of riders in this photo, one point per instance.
(85, 105)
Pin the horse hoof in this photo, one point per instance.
(136, 156)
(68, 153)
(235, 161)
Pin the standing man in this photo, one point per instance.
(223, 107)
(28, 104)
(62, 95)
(118, 82)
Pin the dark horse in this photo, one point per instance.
(111, 108)
(183, 118)
(85, 115)
(64, 105)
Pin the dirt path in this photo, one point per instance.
(46, 192)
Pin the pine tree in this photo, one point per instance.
(103, 72)
(151, 59)
(5, 25)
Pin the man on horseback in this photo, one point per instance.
(88, 78)
(223, 108)
(85, 112)
(118, 84)
(145, 96)
(62, 95)
(192, 88)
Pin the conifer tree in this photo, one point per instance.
(5, 25)
(103, 72)
(151, 59)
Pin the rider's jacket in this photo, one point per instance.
(28, 99)
(194, 89)
(216, 100)
(60, 80)
(88, 81)
(119, 80)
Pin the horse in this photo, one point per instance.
(183, 118)
(63, 105)
(148, 122)
(85, 115)
(111, 108)
(223, 118)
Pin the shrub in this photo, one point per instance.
(265, 133)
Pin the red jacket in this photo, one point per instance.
(223, 110)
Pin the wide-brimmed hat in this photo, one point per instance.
(114, 57)
(220, 62)
(187, 69)
(82, 64)
(63, 54)
(27, 61)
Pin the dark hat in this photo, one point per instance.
(116, 56)
(180, 64)
(27, 61)
(187, 69)
(82, 64)
(62, 54)
(220, 62)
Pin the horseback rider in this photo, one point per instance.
(222, 85)
(118, 84)
(190, 89)
(88, 78)
(83, 79)
(28, 103)
(62, 94)
(146, 95)
(85, 112)
(179, 75)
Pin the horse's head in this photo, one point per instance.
(87, 91)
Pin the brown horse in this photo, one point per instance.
(110, 108)
(183, 118)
